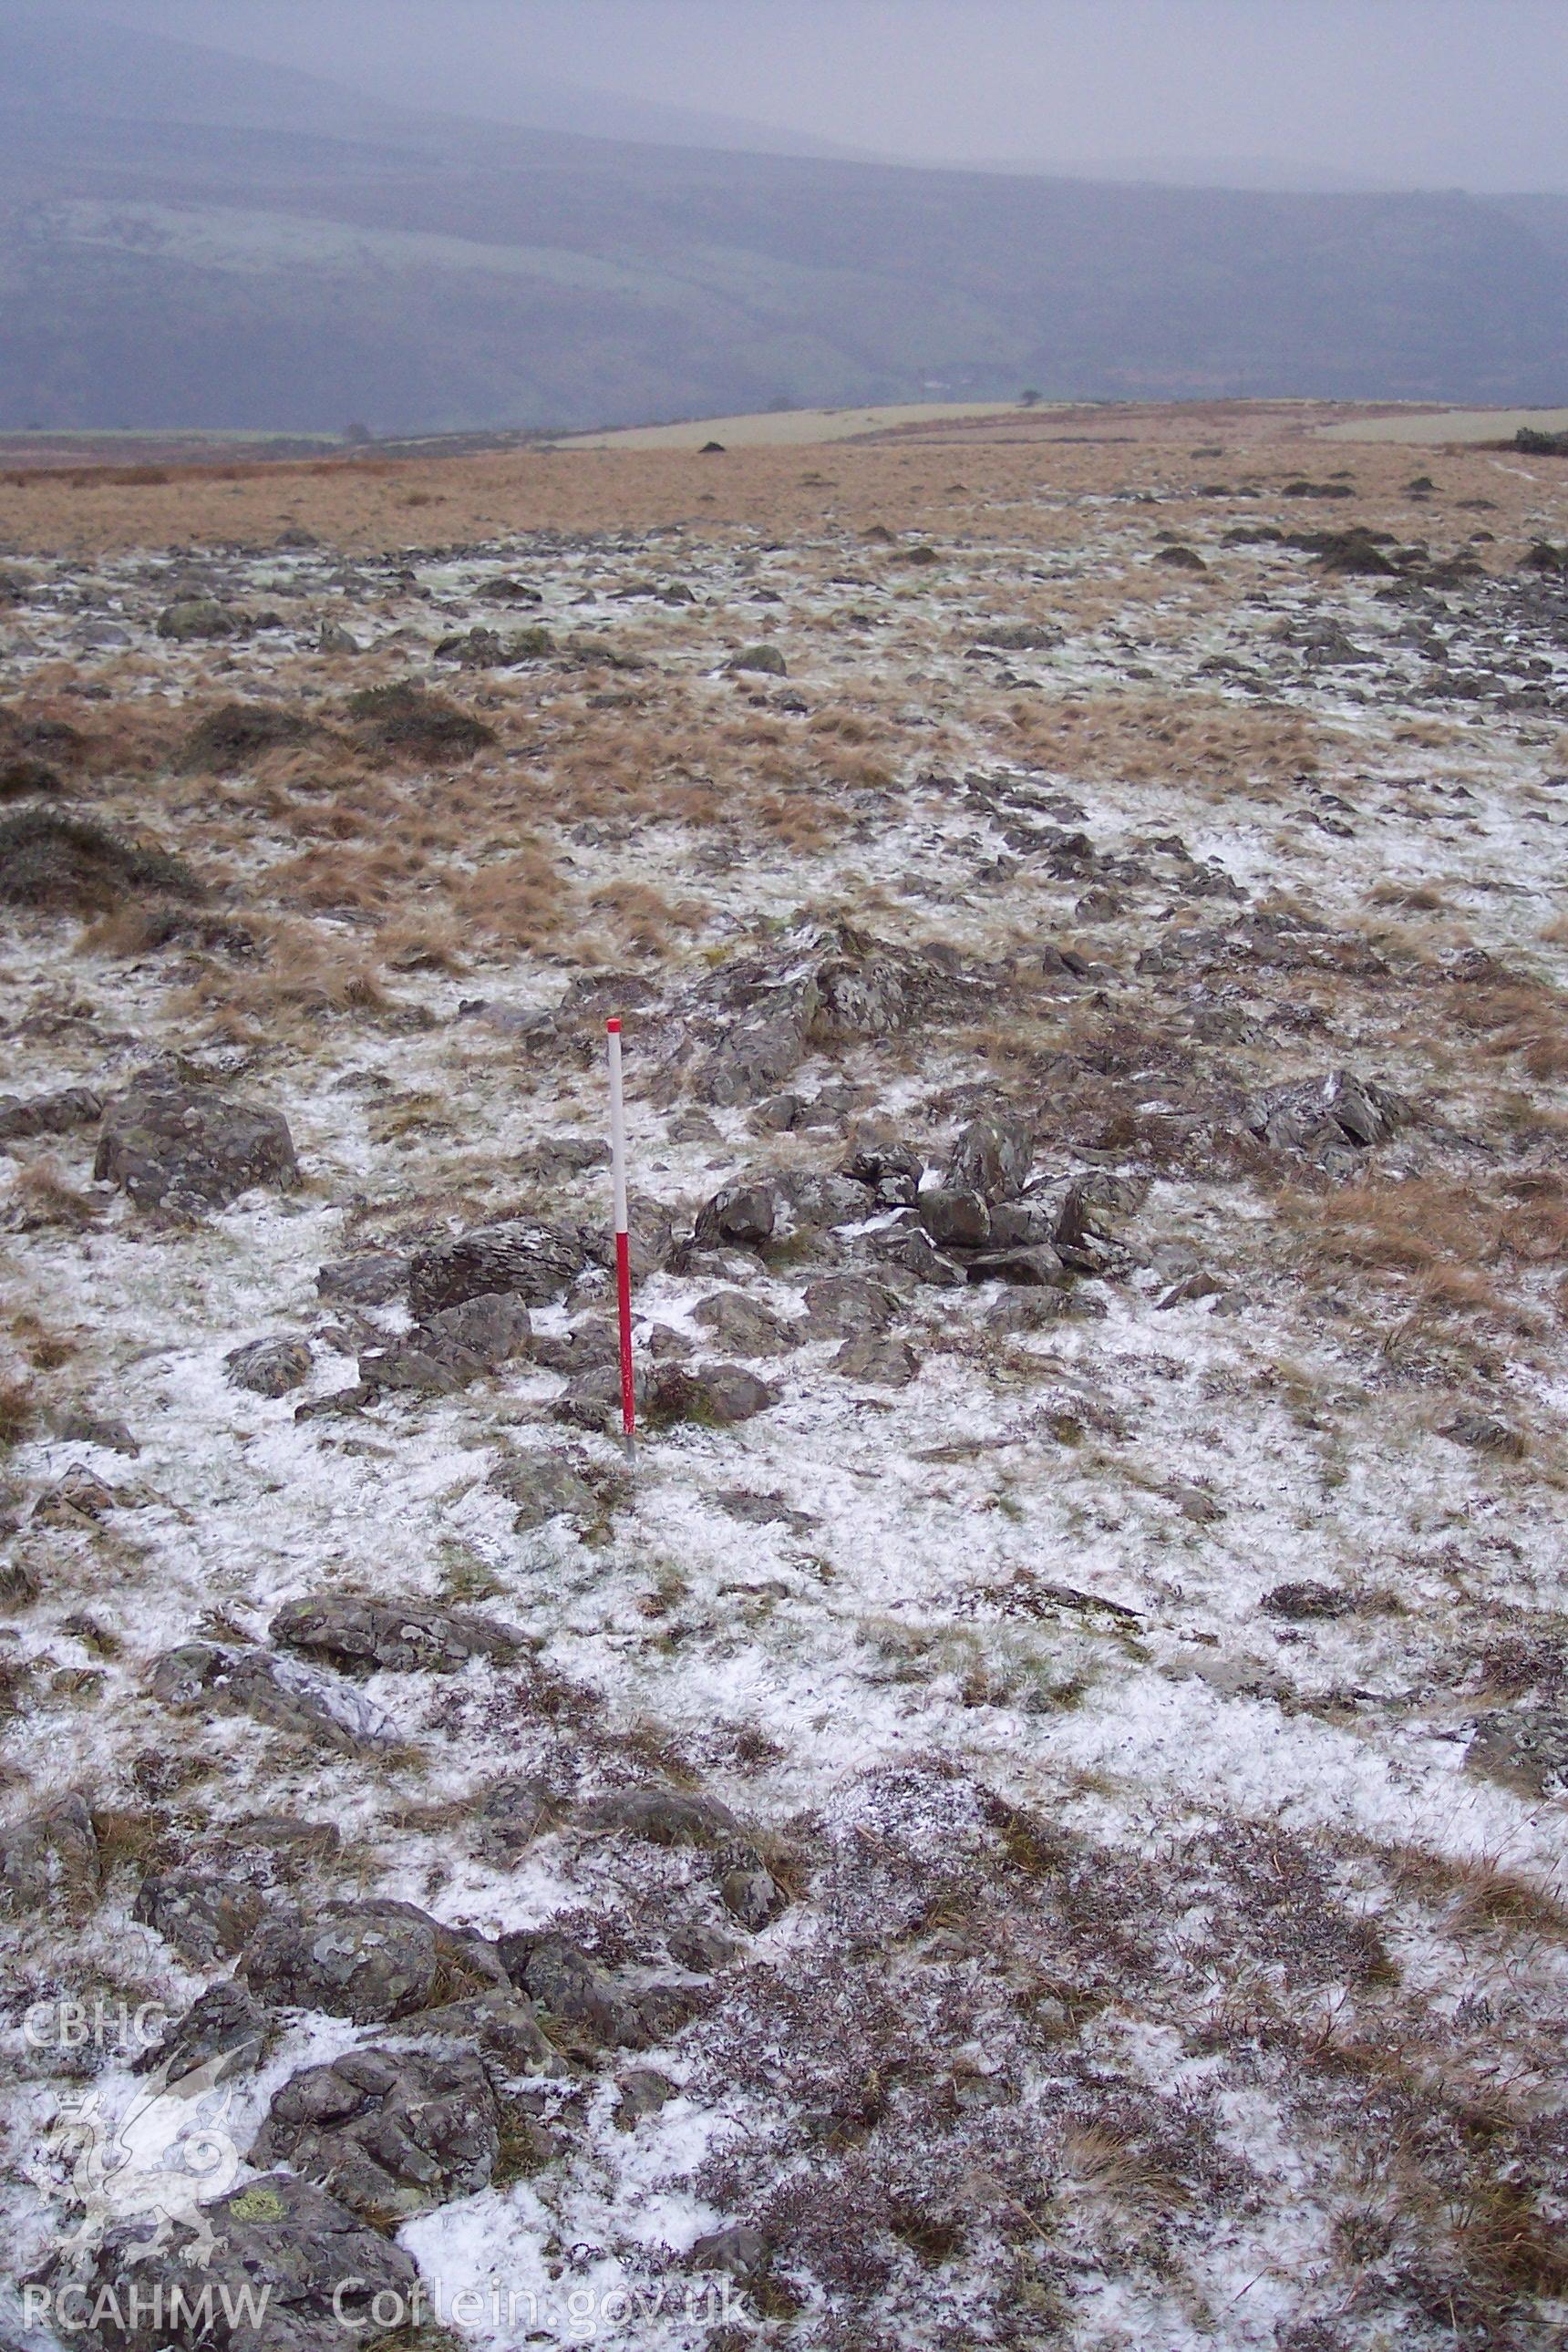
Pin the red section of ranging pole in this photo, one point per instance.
(622, 1239)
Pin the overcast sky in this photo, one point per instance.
(1394, 92)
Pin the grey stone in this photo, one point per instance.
(1322, 1115)
(663, 1816)
(284, 1695)
(1298, 1602)
(269, 1368)
(321, 2266)
(189, 1148)
(719, 1394)
(49, 1859)
(494, 1328)
(373, 1279)
(954, 1219)
(223, 2031)
(390, 2134)
(766, 659)
(1483, 1432)
(743, 1325)
(206, 1920)
(1525, 1748)
(572, 1989)
(819, 1201)
(702, 1948)
(498, 2023)
(741, 1214)
(848, 1307)
(368, 1960)
(54, 1114)
(359, 1635)
(536, 1263)
(906, 1243)
(992, 1157)
(87, 1429)
(878, 1362)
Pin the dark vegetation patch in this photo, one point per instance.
(238, 734)
(404, 719)
(67, 866)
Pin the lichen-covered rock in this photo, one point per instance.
(398, 1637)
(535, 1263)
(373, 1279)
(1328, 1117)
(368, 1960)
(279, 1692)
(576, 1995)
(955, 1217)
(269, 1368)
(190, 1148)
(543, 1487)
(283, 2266)
(992, 1157)
(388, 2132)
(223, 2031)
(206, 1920)
(848, 1307)
(198, 620)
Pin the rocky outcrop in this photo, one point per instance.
(188, 1149)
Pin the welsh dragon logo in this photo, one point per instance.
(160, 2162)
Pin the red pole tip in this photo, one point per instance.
(613, 1027)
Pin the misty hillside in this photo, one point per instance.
(188, 240)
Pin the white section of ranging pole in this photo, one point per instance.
(618, 1127)
(623, 1240)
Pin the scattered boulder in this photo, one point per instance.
(54, 1114)
(221, 2034)
(1181, 559)
(323, 2270)
(848, 1307)
(269, 1368)
(876, 1363)
(536, 1263)
(716, 1394)
(368, 1960)
(511, 1816)
(642, 2093)
(373, 1279)
(394, 1636)
(49, 1860)
(188, 1149)
(740, 1213)
(201, 620)
(743, 1325)
(992, 1157)
(497, 2024)
(739, 2251)
(574, 1992)
(68, 866)
(766, 660)
(206, 1920)
(390, 2133)
(226, 1680)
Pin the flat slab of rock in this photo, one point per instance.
(743, 1324)
(389, 2133)
(190, 1148)
(398, 1637)
(301, 2273)
(279, 1692)
(535, 1263)
(373, 1279)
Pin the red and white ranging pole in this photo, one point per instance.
(623, 1238)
